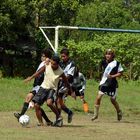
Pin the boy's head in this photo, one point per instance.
(109, 54)
(55, 62)
(64, 54)
(46, 53)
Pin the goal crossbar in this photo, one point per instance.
(55, 46)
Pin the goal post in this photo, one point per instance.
(56, 28)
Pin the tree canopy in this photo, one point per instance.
(20, 19)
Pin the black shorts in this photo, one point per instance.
(77, 89)
(43, 95)
(110, 91)
(79, 93)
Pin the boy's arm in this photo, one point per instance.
(36, 74)
(115, 75)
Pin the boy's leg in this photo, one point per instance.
(38, 114)
(116, 105)
(39, 99)
(66, 110)
(53, 108)
(59, 119)
(96, 112)
(85, 104)
(25, 105)
(69, 112)
(45, 117)
(58, 105)
(97, 106)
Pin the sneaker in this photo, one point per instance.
(17, 115)
(119, 115)
(70, 115)
(58, 122)
(94, 117)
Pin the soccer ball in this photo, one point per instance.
(24, 120)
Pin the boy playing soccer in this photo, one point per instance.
(109, 84)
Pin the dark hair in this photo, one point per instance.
(56, 58)
(65, 51)
(47, 52)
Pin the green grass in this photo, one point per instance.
(106, 127)
(14, 91)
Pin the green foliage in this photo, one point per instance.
(12, 15)
(23, 67)
(20, 20)
(88, 54)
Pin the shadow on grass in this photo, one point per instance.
(70, 126)
(124, 121)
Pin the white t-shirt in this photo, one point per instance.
(108, 70)
(79, 81)
(51, 78)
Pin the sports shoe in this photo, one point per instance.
(70, 115)
(58, 122)
(94, 117)
(96, 112)
(17, 115)
(119, 115)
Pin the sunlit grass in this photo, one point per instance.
(14, 91)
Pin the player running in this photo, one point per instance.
(108, 84)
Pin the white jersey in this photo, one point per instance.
(69, 69)
(79, 81)
(112, 65)
(51, 78)
(41, 65)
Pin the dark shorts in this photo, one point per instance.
(43, 95)
(110, 91)
(77, 89)
(79, 93)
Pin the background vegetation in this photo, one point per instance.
(14, 91)
(19, 22)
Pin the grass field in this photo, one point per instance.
(13, 92)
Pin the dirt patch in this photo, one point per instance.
(80, 129)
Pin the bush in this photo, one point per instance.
(88, 54)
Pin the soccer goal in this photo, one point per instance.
(57, 28)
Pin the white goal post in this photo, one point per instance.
(56, 28)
